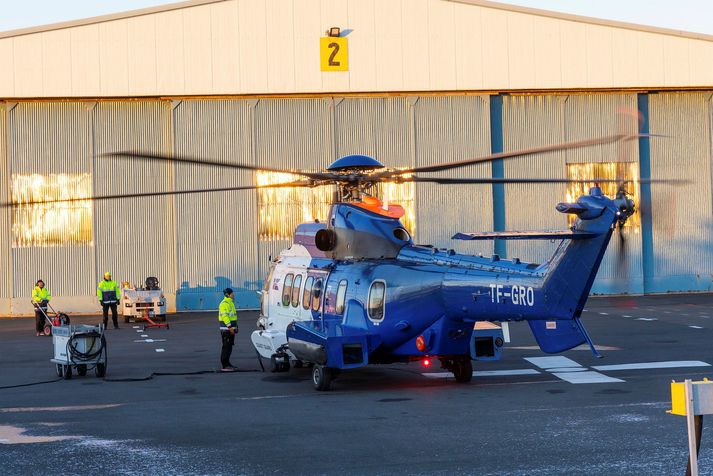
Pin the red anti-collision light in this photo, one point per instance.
(426, 362)
(421, 344)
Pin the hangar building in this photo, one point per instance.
(414, 82)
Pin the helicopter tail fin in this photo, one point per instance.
(570, 272)
(560, 335)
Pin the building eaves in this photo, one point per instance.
(481, 3)
(584, 19)
(107, 18)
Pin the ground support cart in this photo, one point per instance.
(52, 318)
(80, 348)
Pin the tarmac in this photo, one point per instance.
(163, 409)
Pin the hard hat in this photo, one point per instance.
(227, 292)
(107, 274)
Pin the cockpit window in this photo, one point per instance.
(296, 290)
(287, 290)
(307, 294)
(377, 292)
(317, 294)
(341, 296)
(268, 280)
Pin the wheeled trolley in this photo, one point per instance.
(79, 348)
(52, 318)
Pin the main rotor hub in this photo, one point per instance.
(355, 162)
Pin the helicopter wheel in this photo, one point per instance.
(321, 377)
(279, 363)
(462, 369)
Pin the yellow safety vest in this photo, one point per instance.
(41, 294)
(227, 314)
(105, 285)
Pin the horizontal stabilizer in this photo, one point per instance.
(526, 235)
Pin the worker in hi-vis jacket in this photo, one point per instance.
(108, 293)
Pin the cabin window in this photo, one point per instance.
(341, 296)
(316, 294)
(307, 295)
(287, 290)
(376, 300)
(296, 290)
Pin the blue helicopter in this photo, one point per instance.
(356, 290)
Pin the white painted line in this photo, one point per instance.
(684, 314)
(567, 369)
(60, 409)
(695, 327)
(604, 313)
(646, 319)
(136, 327)
(502, 373)
(144, 335)
(150, 341)
(579, 347)
(160, 350)
(485, 373)
(654, 365)
(586, 377)
(626, 315)
(585, 310)
(552, 362)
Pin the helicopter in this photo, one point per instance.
(355, 289)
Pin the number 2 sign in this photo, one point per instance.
(333, 54)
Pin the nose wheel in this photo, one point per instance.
(461, 366)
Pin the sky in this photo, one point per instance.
(687, 15)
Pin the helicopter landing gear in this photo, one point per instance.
(279, 362)
(461, 366)
(321, 377)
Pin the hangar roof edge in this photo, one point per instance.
(480, 3)
(585, 19)
(109, 17)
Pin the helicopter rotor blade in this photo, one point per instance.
(166, 193)
(190, 160)
(509, 155)
(464, 181)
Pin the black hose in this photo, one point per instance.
(91, 354)
(172, 374)
(30, 384)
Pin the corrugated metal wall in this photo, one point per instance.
(530, 121)
(539, 120)
(52, 138)
(5, 222)
(199, 244)
(134, 237)
(449, 129)
(292, 134)
(216, 233)
(681, 216)
(379, 127)
(598, 115)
